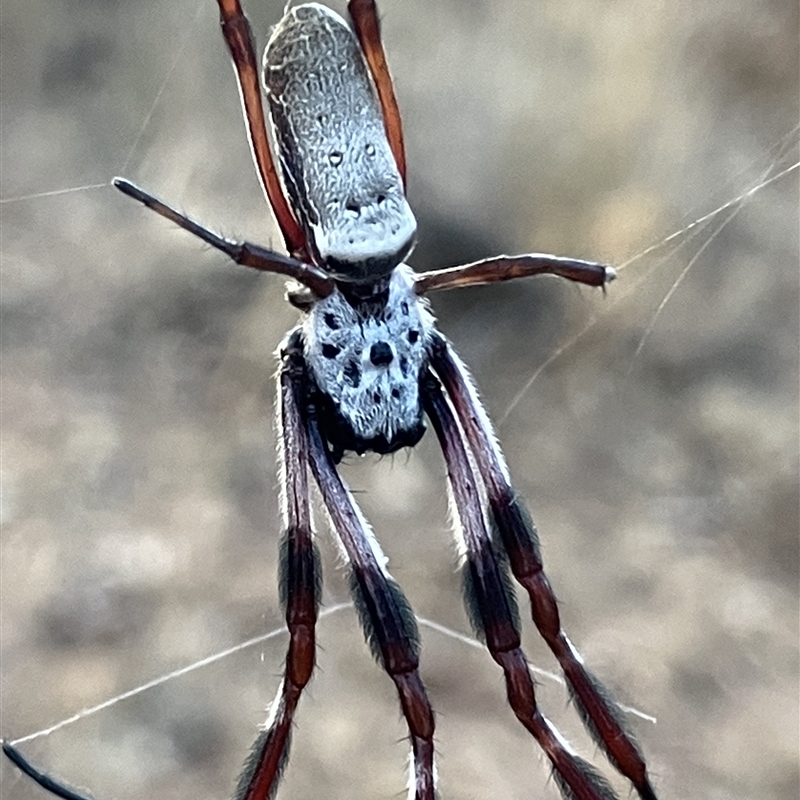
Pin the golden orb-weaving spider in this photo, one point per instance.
(359, 373)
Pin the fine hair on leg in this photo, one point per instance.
(599, 712)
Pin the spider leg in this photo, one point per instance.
(47, 783)
(300, 585)
(492, 605)
(385, 614)
(239, 38)
(600, 714)
(506, 268)
(367, 26)
(245, 253)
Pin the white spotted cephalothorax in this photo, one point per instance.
(366, 358)
(358, 374)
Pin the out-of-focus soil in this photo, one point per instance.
(139, 506)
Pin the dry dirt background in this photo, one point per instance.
(139, 511)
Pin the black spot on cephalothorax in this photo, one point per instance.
(404, 365)
(330, 321)
(395, 393)
(413, 336)
(330, 350)
(352, 372)
(380, 354)
(376, 397)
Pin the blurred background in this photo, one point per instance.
(658, 452)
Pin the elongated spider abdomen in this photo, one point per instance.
(341, 177)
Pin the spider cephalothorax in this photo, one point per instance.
(358, 374)
(366, 358)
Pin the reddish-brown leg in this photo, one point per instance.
(492, 606)
(506, 268)
(244, 253)
(367, 26)
(300, 585)
(599, 712)
(239, 37)
(385, 614)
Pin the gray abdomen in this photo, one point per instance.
(339, 171)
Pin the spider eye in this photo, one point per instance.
(330, 350)
(413, 336)
(331, 322)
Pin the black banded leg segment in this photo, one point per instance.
(300, 588)
(386, 617)
(600, 714)
(385, 614)
(493, 608)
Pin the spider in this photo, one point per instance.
(360, 372)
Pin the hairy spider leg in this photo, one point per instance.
(364, 14)
(599, 713)
(384, 612)
(239, 38)
(300, 591)
(245, 253)
(492, 606)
